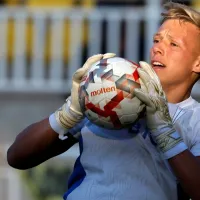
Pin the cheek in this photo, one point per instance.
(151, 52)
(178, 70)
(176, 59)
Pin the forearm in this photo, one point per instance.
(36, 144)
(187, 170)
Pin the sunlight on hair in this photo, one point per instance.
(182, 12)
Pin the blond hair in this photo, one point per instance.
(181, 12)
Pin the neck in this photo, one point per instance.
(176, 94)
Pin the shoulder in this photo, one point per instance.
(187, 119)
(196, 109)
(193, 111)
(193, 124)
(191, 121)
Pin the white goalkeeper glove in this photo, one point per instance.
(70, 113)
(158, 118)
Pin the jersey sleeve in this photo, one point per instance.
(195, 149)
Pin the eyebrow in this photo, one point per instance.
(157, 34)
(169, 36)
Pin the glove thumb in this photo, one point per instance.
(78, 75)
(142, 96)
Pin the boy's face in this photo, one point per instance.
(177, 47)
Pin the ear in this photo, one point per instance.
(196, 66)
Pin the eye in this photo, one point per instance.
(174, 44)
(155, 40)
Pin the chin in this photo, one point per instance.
(161, 77)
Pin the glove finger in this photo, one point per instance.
(108, 55)
(144, 77)
(142, 85)
(143, 96)
(91, 60)
(79, 74)
(152, 85)
(146, 67)
(141, 108)
(149, 83)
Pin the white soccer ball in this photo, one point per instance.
(106, 93)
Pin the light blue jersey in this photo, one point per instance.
(125, 164)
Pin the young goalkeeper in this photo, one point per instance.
(165, 151)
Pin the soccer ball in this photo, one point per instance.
(106, 93)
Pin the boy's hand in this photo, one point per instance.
(158, 118)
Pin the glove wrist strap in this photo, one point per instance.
(170, 143)
(64, 119)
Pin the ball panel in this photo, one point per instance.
(107, 93)
(95, 92)
(109, 89)
(98, 73)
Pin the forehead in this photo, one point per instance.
(185, 31)
(172, 27)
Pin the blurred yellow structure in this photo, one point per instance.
(51, 3)
(30, 29)
(196, 4)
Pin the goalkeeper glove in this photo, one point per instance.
(158, 118)
(70, 113)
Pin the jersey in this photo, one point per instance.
(126, 164)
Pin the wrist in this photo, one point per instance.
(179, 148)
(57, 126)
(170, 143)
(64, 119)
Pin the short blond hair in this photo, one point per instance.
(181, 12)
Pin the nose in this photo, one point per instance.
(158, 48)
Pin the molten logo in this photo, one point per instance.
(102, 90)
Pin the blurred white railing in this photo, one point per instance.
(56, 75)
(127, 32)
(10, 184)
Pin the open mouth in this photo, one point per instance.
(156, 64)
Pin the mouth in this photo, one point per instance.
(157, 65)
